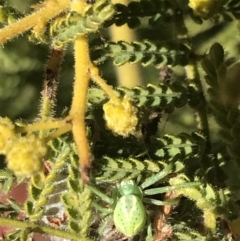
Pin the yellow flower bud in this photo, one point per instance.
(6, 133)
(25, 155)
(209, 219)
(205, 8)
(121, 118)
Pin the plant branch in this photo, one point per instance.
(51, 9)
(43, 126)
(39, 229)
(78, 108)
(103, 85)
(200, 111)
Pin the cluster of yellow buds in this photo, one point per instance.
(23, 153)
(121, 117)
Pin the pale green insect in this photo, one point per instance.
(126, 206)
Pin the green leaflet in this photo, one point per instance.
(223, 100)
(8, 14)
(145, 52)
(150, 96)
(132, 13)
(74, 25)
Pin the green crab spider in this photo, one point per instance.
(127, 208)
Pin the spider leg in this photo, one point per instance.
(159, 190)
(168, 168)
(160, 203)
(101, 195)
(98, 207)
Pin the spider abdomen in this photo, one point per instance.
(129, 215)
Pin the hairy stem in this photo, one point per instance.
(50, 85)
(78, 107)
(103, 85)
(52, 9)
(43, 126)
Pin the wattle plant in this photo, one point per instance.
(104, 167)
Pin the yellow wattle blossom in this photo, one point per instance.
(121, 118)
(7, 133)
(205, 8)
(25, 155)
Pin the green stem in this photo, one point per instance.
(40, 229)
(200, 111)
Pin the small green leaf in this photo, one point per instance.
(24, 234)
(133, 23)
(122, 59)
(210, 70)
(70, 200)
(74, 227)
(28, 207)
(36, 216)
(73, 185)
(14, 235)
(34, 192)
(5, 174)
(8, 184)
(15, 205)
(216, 55)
